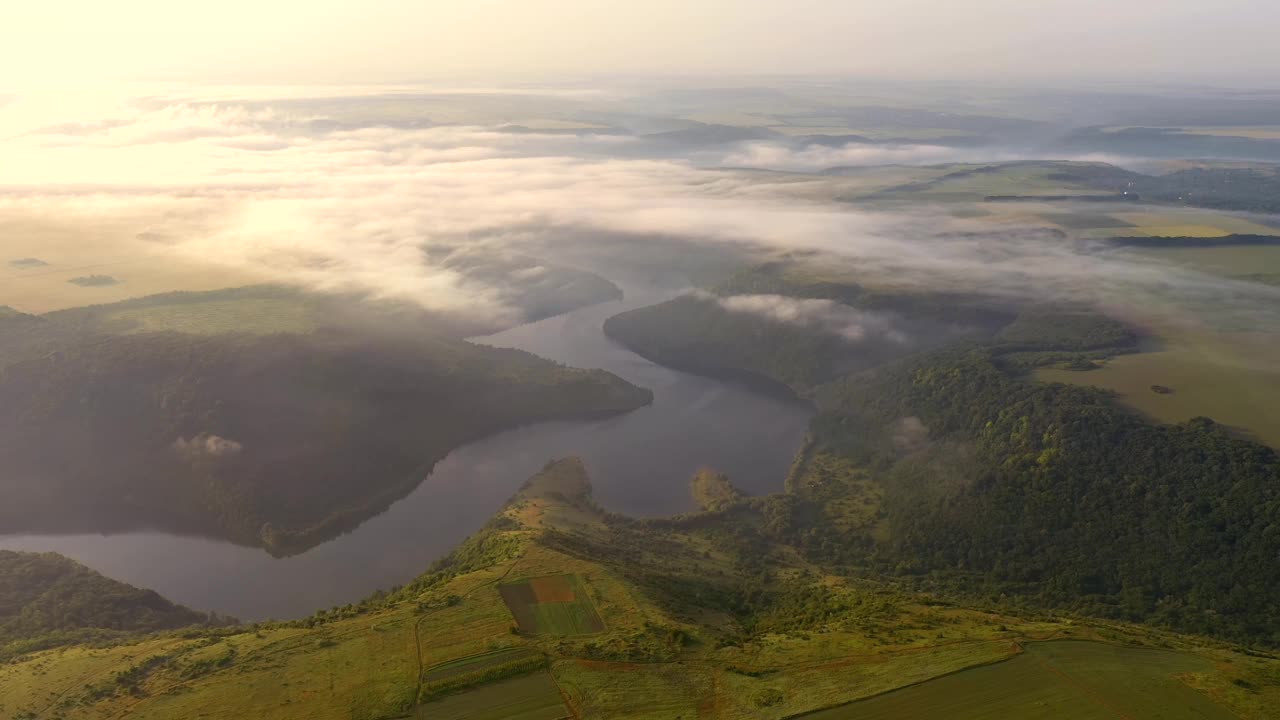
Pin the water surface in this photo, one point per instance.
(640, 464)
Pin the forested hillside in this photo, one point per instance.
(947, 467)
(47, 599)
(278, 438)
(1053, 492)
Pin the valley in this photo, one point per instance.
(643, 458)
(688, 626)
(641, 398)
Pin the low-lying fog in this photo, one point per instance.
(367, 193)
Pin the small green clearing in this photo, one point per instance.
(532, 697)
(1075, 679)
(252, 315)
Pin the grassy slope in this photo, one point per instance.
(47, 599)
(664, 655)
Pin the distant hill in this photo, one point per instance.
(942, 465)
(764, 326)
(47, 599)
(287, 432)
(705, 134)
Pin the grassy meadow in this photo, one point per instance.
(1239, 261)
(1207, 376)
(1230, 373)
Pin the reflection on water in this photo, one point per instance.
(640, 464)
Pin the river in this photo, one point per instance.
(640, 464)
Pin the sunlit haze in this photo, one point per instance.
(716, 359)
(331, 41)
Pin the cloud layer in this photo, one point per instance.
(815, 157)
(396, 212)
(825, 315)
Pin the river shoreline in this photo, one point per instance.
(640, 462)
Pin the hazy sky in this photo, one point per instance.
(369, 40)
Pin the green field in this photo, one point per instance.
(1177, 222)
(1208, 380)
(1230, 260)
(1231, 375)
(532, 697)
(552, 605)
(1093, 221)
(1079, 680)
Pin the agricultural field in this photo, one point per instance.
(1081, 680)
(478, 664)
(639, 691)
(1188, 223)
(1207, 377)
(531, 697)
(1097, 221)
(1242, 261)
(552, 605)
(1230, 373)
(455, 675)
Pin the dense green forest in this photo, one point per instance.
(948, 469)
(47, 599)
(1053, 492)
(279, 439)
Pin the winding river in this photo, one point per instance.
(640, 464)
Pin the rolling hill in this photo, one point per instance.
(558, 609)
